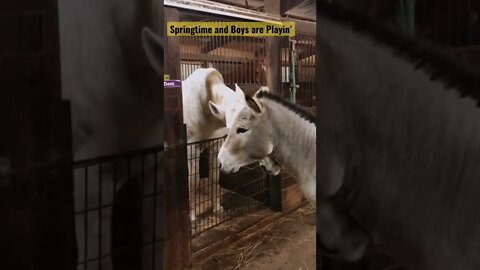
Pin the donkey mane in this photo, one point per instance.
(292, 107)
(435, 63)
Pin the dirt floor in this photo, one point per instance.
(286, 244)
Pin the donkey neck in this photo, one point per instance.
(294, 140)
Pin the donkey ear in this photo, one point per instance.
(216, 111)
(253, 104)
(261, 89)
(239, 91)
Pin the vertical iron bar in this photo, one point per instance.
(251, 61)
(448, 24)
(128, 169)
(86, 218)
(142, 199)
(219, 53)
(188, 62)
(218, 49)
(224, 62)
(114, 175)
(142, 176)
(236, 66)
(114, 191)
(100, 216)
(205, 62)
(230, 63)
(196, 183)
(154, 209)
(459, 28)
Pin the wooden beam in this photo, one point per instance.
(292, 198)
(177, 222)
(287, 5)
(275, 195)
(304, 27)
(273, 7)
(273, 52)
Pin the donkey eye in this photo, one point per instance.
(241, 130)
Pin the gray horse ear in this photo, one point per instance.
(216, 111)
(153, 47)
(252, 104)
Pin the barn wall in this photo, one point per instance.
(36, 205)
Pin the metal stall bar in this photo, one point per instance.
(306, 69)
(240, 192)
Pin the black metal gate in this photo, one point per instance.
(119, 210)
(235, 194)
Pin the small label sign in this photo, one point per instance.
(172, 83)
(166, 77)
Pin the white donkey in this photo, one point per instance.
(282, 136)
(277, 133)
(209, 107)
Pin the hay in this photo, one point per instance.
(263, 242)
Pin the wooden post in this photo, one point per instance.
(273, 53)
(177, 235)
(274, 83)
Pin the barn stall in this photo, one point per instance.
(287, 66)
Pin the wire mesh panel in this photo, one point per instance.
(119, 210)
(214, 197)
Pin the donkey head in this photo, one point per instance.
(248, 140)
